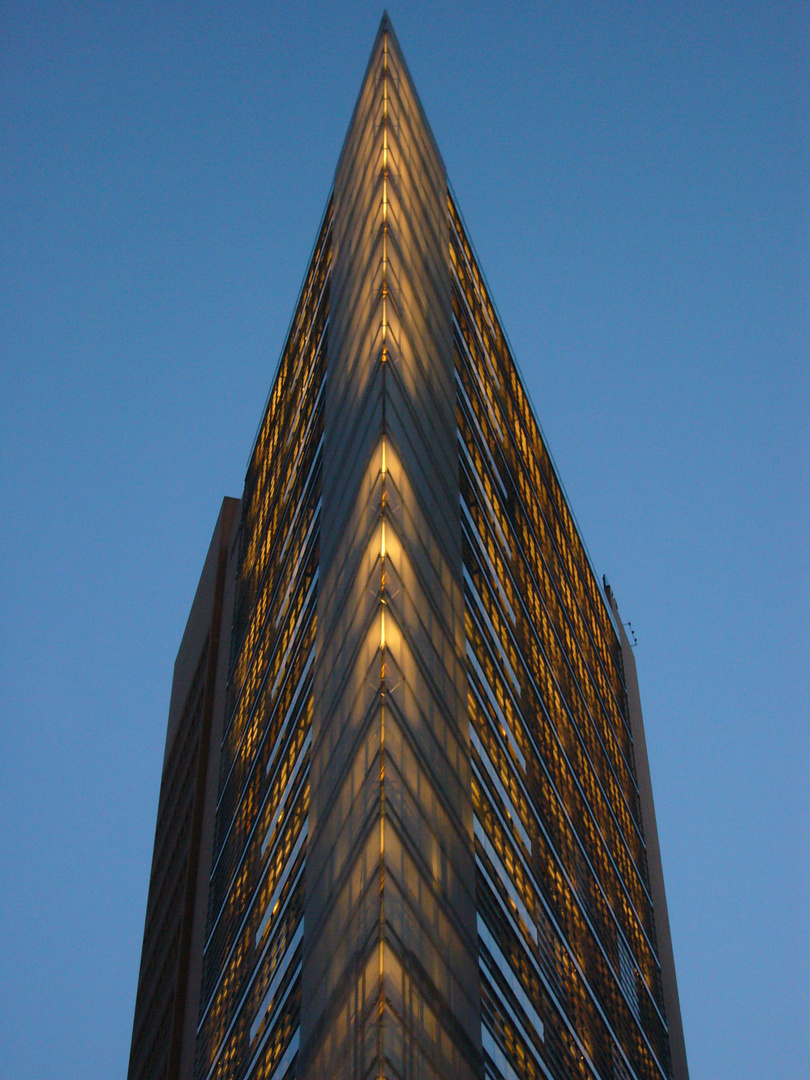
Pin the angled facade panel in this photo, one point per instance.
(251, 987)
(431, 847)
(390, 874)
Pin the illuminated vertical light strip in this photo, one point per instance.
(385, 203)
(384, 357)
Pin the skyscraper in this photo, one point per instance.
(405, 826)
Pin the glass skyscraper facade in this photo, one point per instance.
(565, 918)
(425, 843)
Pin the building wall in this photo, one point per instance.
(390, 974)
(571, 975)
(166, 1006)
(669, 982)
(251, 986)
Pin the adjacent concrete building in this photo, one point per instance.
(406, 826)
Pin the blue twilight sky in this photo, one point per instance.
(635, 179)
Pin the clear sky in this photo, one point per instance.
(635, 179)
